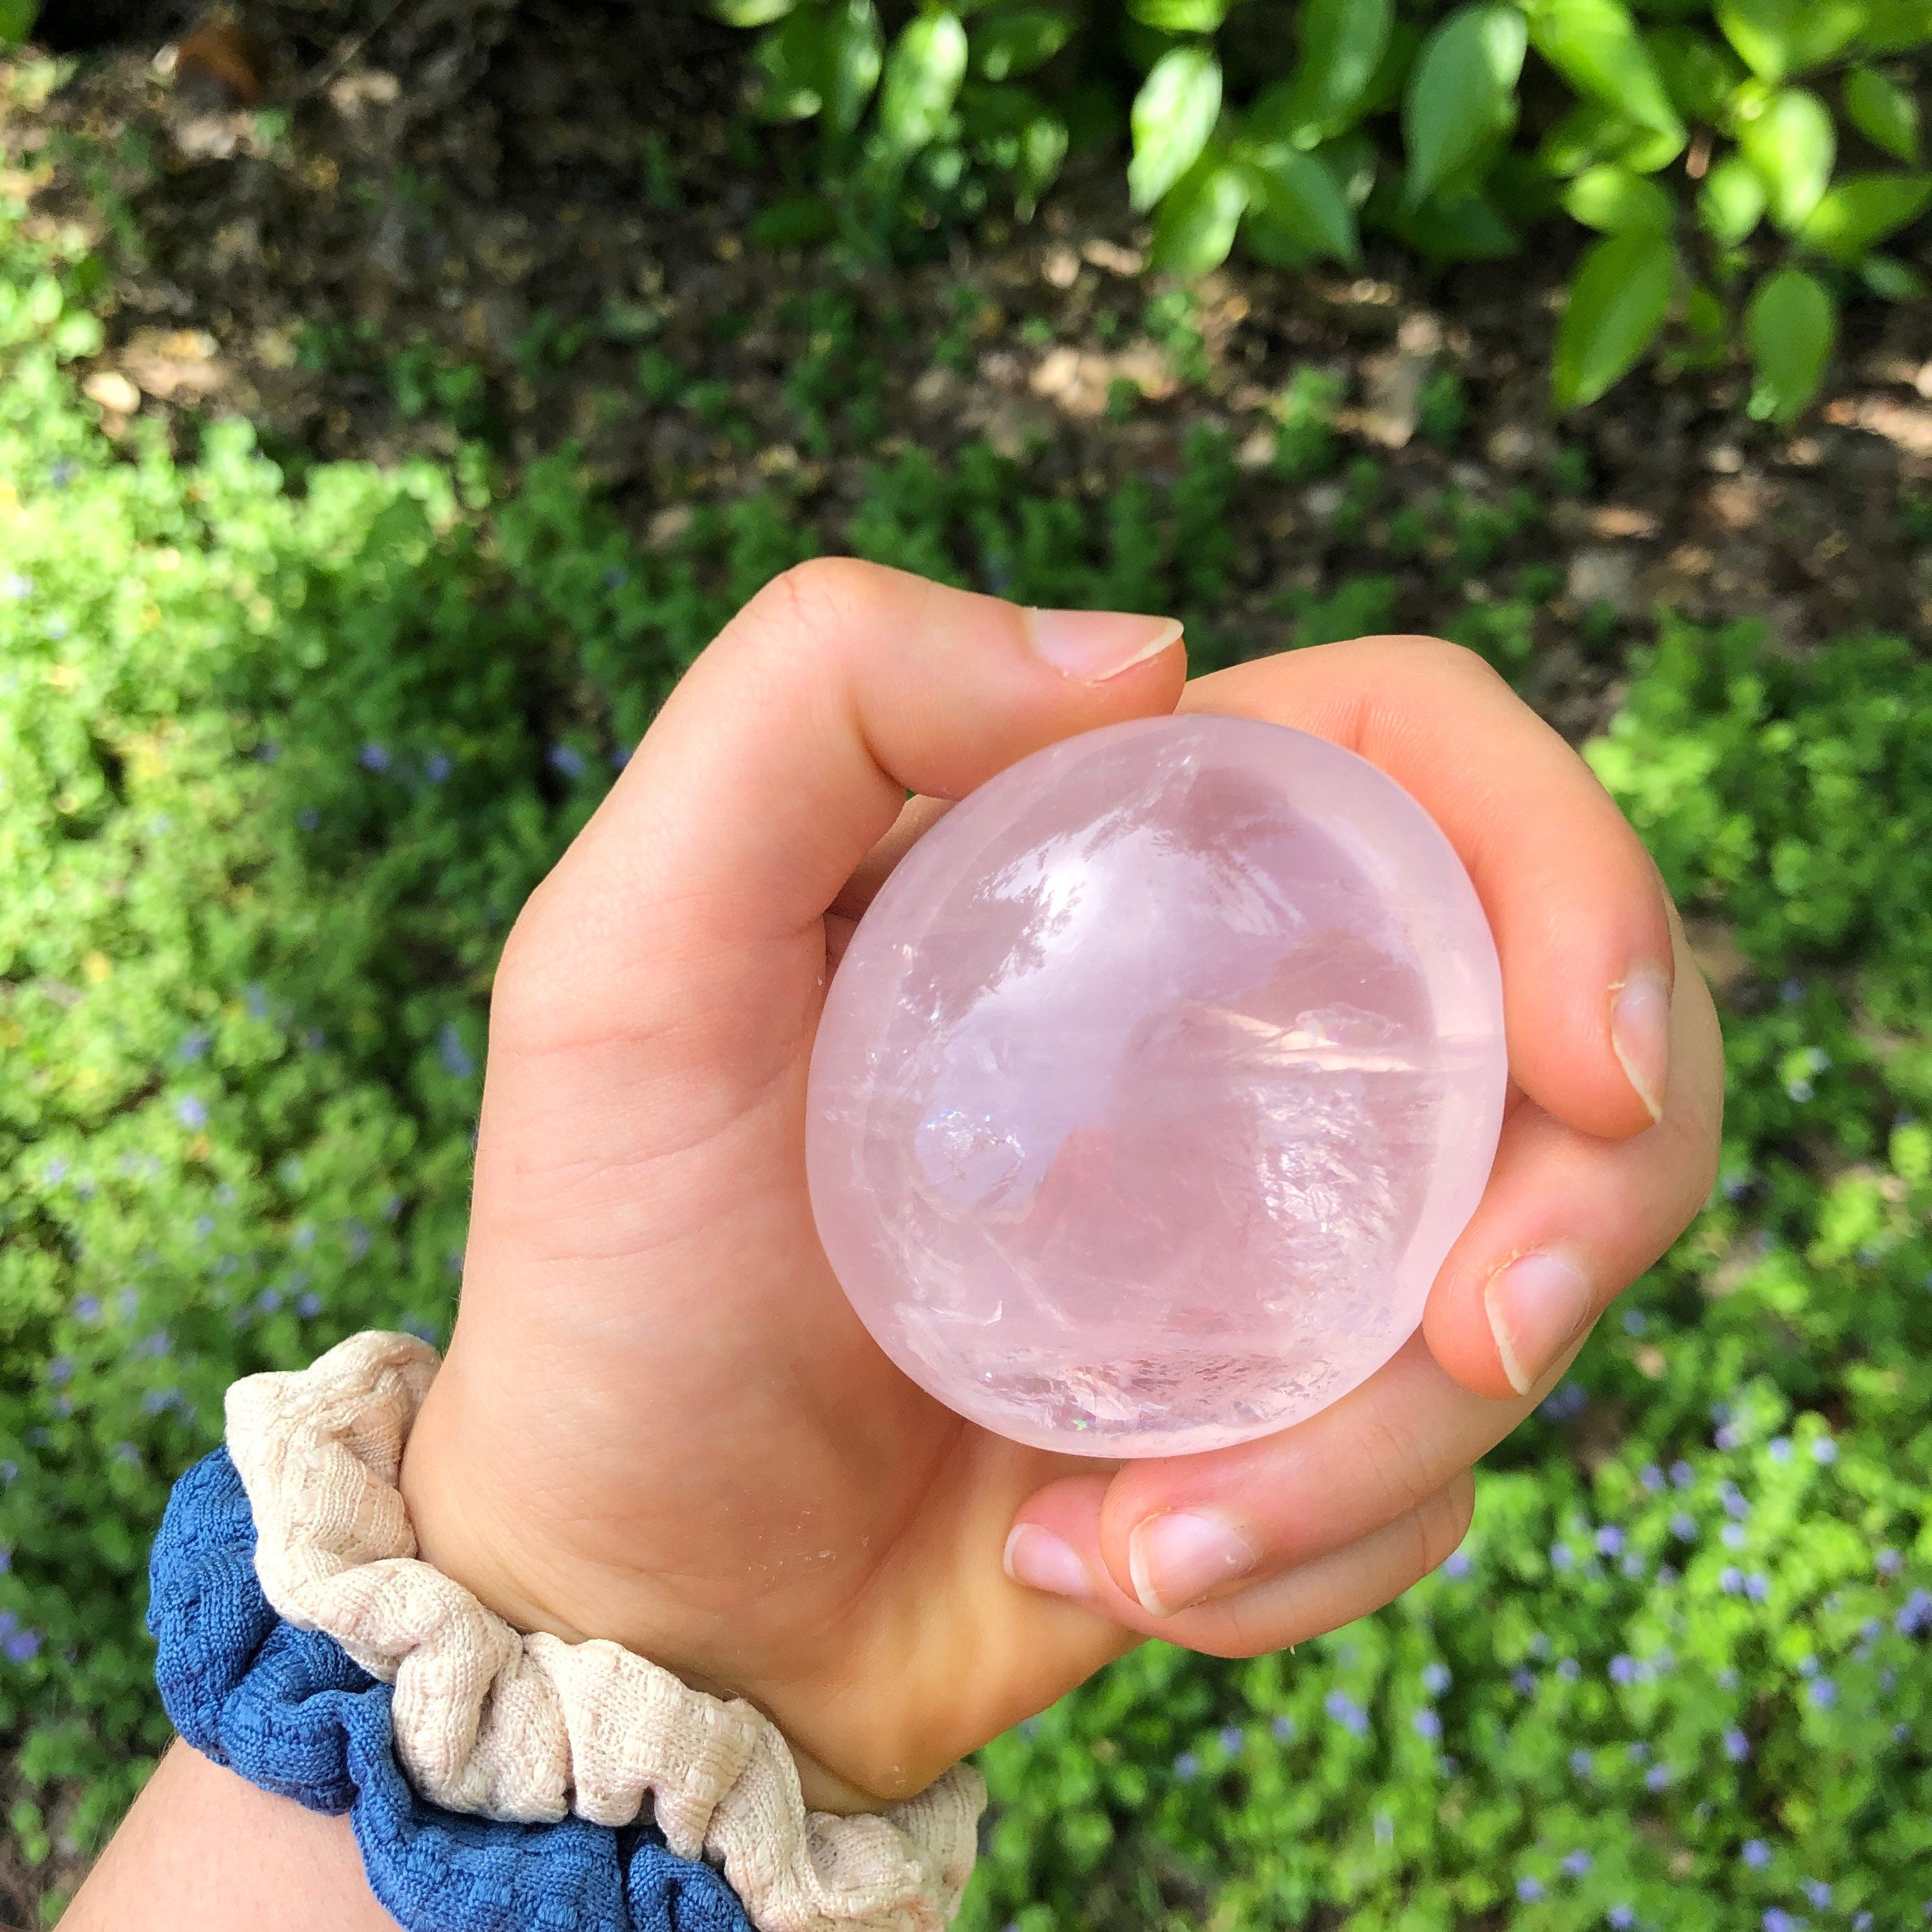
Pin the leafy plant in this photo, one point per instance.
(1704, 142)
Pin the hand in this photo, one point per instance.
(659, 1421)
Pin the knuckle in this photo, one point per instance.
(820, 596)
(1442, 1522)
(1397, 1466)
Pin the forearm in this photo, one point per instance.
(203, 1851)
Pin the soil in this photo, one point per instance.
(316, 200)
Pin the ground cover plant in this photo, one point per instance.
(281, 749)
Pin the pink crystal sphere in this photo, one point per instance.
(1154, 1086)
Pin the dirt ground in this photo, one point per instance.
(532, 189)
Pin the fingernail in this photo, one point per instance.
(1094, 646)
(1640, 1032)
(1537, 1305)
(1177, 1558)
(1042, 1561)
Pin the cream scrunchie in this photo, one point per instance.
(490, 1721)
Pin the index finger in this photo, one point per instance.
(1574, 899)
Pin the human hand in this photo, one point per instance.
(659, 1421)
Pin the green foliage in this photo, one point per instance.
(1407, 117)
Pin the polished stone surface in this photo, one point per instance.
(1155, 1085)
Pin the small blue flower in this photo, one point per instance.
(1684, 1526)
(620, 757)
(1635, 1321)
(195, 1044)
(1186, 1767)
(255, 997)
(61, 474)
(1657, 1778)
(373, 757)
(1915, 1614)
(1682, 1475)
(1727, 1437)
(157, 1401)
(1737, 1746)
(1777, 1919)
(1733, 1536)
(308, 819)
(1610, 1540)
(126, 1454)
(1457, 1564)
(1651, 1477)
(437, 767)
(1622, 1917)
(1283, 1728)
(1528, 1889)
(23, 1646)
(309, 1306)
(1756, 1854)
(88, 1308)
(568, 760)
(1345, 1711)
(1791, 991)
(268, 1301)
(1428, 1724)
(191, 1112)
(1561, 1557)
(1524, 1684)
(1623, 1670)
(267, 751)
(1823, 1693)
(455, 1055)
(1435, 1678)
(1569, 1670)
(1632, 1565)
(1807, 1665)
(1757, 1586)
(1232, 1739)
(6, 1557)
(1637, 1751)
(1818, 1892)
(1576, 1863)
(204, 1226)
(1825, 1450)
(10, 1474)
(1801, 1090)
(1779, 1448)
(1581, 1763)
(616, 577)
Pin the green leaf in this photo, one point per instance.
(1195, 227)
(922, 76)
(1790, 327)
(1591, 132)
(1017, 42)
(1617, 305)
(1180, 16)
(1890, 280)
(733, 13)
(1042, 149)
(1595, 46)
(1297, 194)
(17, 20)
(1618, 203)
(1778, 38)
(1342, 42)
(1857, 213)
(1700, 75)
(1882, 112)
(1174, 114)
(792, 223)
(853, 59)
(1466, 227)
(1896, 26)
(1461, 93)
(1793, 144)
(1730, 203)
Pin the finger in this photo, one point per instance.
(781, 758)
(1329, 1589)
(1567, 1223)
(1574, 901)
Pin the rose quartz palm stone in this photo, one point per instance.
(1154, 1086)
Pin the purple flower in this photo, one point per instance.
(1621, 1916)
(1569, 1670)
(1427, 1724)
(1528, 1889)
(1731, 1580)
(1651, 1477)
(1283, 1728)
(60, 1371)
(373, 757)
(1457, 1564)
(195, 1044)
(1682, 1475)
(23, 1646)
(309, 1306)
(1756, 1854)
(1915, 1614)
(1777, 1919)
(1435, 1678)
(1561, 1557)
(1733, 1536)
(454, 1055)
(126, 1452)
(1524, 1683)
(1818, 1892)
(1610, 1540)
(1684, 1526)
(1345, 1711)
(620, 756)
(1807, 1665)
(1823, 1693)
(1232, 1740)
(268, 1301)
(1737, 1746)
(157, 1401)
(1186, 1767)
(1581, 1763)
(1623, 1670)
(1635, 1321)
(437, 767)
(1757, 1586)
(568, 760)
(1657, 1778)
(1576, 1863)
(1637, 1751)
(88, 1308)
(1779, 1448)
(191, 1112)
(1825, 1450)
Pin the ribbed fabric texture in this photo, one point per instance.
(289, 1711)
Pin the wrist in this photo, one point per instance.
(497, 1550)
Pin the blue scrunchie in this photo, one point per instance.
(289, 1711)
